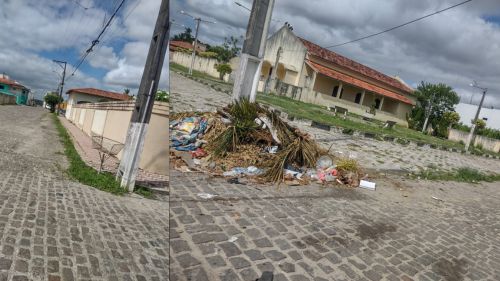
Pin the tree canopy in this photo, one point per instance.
(185, 36)
(442, 98)
(228, 50)
(52, 99)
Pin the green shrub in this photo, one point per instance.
(348, 131)
(223, 69)
(162, 96)
(210, 55)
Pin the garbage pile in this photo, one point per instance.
(248, 140)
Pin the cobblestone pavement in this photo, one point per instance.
(398, 232)
(52, 228)
(189, 95)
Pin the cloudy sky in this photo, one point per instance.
(34, 32)
(453, 47)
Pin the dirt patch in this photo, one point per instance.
(374, 231)
(450, 270)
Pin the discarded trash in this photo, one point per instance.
(437, 199)
(272, 149)
(199, 153)
(204, 195)
(233, 239)
(367, 185)
(235, 181)
(324, 162)
(249, 171)
(184, 133)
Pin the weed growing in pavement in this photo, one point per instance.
(460, 175)
(79, 171)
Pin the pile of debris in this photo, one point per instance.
(246, 139)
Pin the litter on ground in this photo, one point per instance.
(245, 139)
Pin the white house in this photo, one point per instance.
(91, 95)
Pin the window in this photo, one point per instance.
(335, 90)
(358, 98)
(2, 87)
(377, 103)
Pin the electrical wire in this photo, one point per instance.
(398, 26)
(96, 41)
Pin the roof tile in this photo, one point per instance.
(337, 59)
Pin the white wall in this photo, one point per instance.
(205, 65)
(75, 98)
(468, 111)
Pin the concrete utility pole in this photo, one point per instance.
(473, 128)
(193, 54)
(145, 99)
(272, 84)
(247, 77)
(60, 90)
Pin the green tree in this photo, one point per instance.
(449, 119)
(185, 36)
(126, 91)
(441, 97)
(223, 69)
(480, 124)
(52, 99)
(228, 50)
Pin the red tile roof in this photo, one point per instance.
(184, 45)
(11, 83)
(359, 83)
(99, 93)
(337, 59)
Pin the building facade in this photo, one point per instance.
(90, 95)
(312, 74)
(10, 87)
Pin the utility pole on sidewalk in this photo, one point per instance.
(141, 115)
(474, 122)
(247, 78)
(61, 63)
(193, 54)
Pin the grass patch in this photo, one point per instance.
(322, 115)
(82, 173)
(143, 191)
(459, 175)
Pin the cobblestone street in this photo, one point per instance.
(55, 229)
(405, 230)
(398, 232)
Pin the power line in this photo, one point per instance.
(113, 31)
(401, 25)
(96, 41)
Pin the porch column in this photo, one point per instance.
(309, 94)
(381, 103)
(362, 98)
(339, 90)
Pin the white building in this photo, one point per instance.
(468, 112)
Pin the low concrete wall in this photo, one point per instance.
(487, 143)
(7, 99)
(201, 64)
(111, 120)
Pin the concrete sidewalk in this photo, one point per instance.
(90, 156)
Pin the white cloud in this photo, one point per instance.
(104, 57)
(453, 47)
